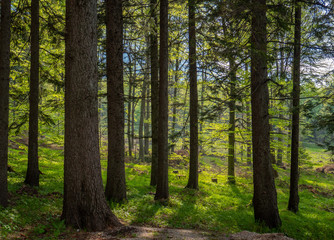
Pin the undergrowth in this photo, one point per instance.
(35, 213)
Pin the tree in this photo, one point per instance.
(231, 130)
(32, 177)
(162, 192)
(294, 172)
(265, 196)
(154, 90)
(141, 121)
(193, 112)
(85, 205)
(116, 187)
(4, 97)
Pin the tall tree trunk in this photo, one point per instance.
(162, 191)
(176, 79)
(85, 206)
(279, 161)
(141, 121)
(116, 187)
(32, 176)
(294, 172)
(154, 91)
(231, 131)
(202, 109)
(280, 138)
(193, 111)
(147, 99)
(133, 109)
(265, 196)
(129, 114)
(272, 139)
(249, 128)
(146, 124)
(4, 97)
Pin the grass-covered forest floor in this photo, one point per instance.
(219, 207)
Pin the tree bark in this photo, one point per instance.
(129, 113)
(231, 131)
(193, 111)
(294, 172)
(4, 97)
(141, 122)
(116, 187)
(146, 124)
(174, 110)
(85, 206)
(162, 191)
(32, 176)
(265, 196)
(249, 128)
(154, 91)
(133, 109)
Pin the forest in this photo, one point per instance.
(157, 119)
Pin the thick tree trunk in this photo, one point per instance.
(32, 177)
(162, 191)
(154, 91)
(85, 206)
(116, 187)
(265, 196)
(4, 97)
(294, 172)
(231, 131)
(193, 111)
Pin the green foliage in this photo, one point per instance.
(215, 206)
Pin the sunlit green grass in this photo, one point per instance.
(215, 206)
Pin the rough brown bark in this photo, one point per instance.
(154, 91)
(265, 196)
(193, 111)
(32, 176)
(294, 172)
(4, 97)
(85, 206)
(116, 186)
(162, 191)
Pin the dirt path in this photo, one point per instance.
(139, 233)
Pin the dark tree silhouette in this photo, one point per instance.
(84, 205)
(116, 187)
(294, 172)
(4, 97)
(193, 168)
(32, 177)
(162, 191)
(265, 196)
(154, 91)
